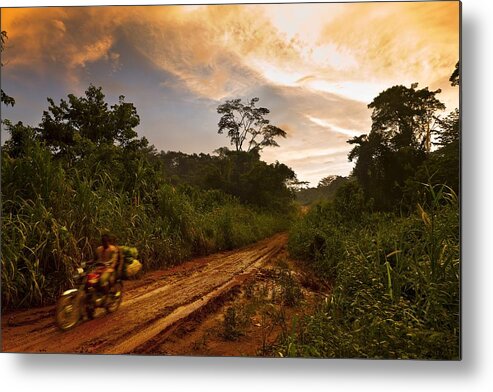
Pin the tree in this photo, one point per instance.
(455, 77)
(73, 126)
(4, 98)
(442, 165)
(349, 202)
(397, 143)
(247, 126)
(238, 173)
(21, 138)
(325, 190)
(403, 115)
(253, 181)
(448, 129)
(329, 180)
(297, 185)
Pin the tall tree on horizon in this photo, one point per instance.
(397, 143)
(403, 115)
(247, 126)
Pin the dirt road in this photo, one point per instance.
(151, 309)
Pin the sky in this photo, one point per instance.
(315, 66)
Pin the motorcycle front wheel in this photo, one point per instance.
(115, 297)
(68, 311)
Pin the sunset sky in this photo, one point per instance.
(315, 66)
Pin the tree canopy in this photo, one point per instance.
(4, 98)
(399, 142)
(247, 126)
(455, 77)
(238, 173)
(328, 180)
(403, 115)
(66, 127)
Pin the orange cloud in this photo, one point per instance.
(204, 46)
(399, 42)
(316, 65)
(338, 46)
(212, 49)
(43, 39)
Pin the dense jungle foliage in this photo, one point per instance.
(325, 190)
(84, 171)
(388, 240)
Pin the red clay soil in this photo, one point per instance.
(157, 310)
(261, 312)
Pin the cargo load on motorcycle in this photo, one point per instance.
(131, 266)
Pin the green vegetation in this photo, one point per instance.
(388, 240)
(84, 171)
(386, 237)
(325, 190)
(238, 173)
(396, 290)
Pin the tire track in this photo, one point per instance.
(169, 298)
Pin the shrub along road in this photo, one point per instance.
(152, 307)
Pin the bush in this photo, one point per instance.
(318, 239)
(396, 292)
(53, 217)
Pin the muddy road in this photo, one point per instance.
(152, 308)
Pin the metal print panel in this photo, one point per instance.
(270, 180)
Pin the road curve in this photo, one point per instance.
(151, 306)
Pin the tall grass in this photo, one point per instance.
(53, 217)
(396, 290)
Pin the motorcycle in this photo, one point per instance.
(81, 302)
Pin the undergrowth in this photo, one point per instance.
(53, 217)
(397, 283)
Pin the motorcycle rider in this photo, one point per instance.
(107, 254)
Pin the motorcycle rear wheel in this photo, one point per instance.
(68, 311)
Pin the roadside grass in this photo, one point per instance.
(53, 217)
(397, 283)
